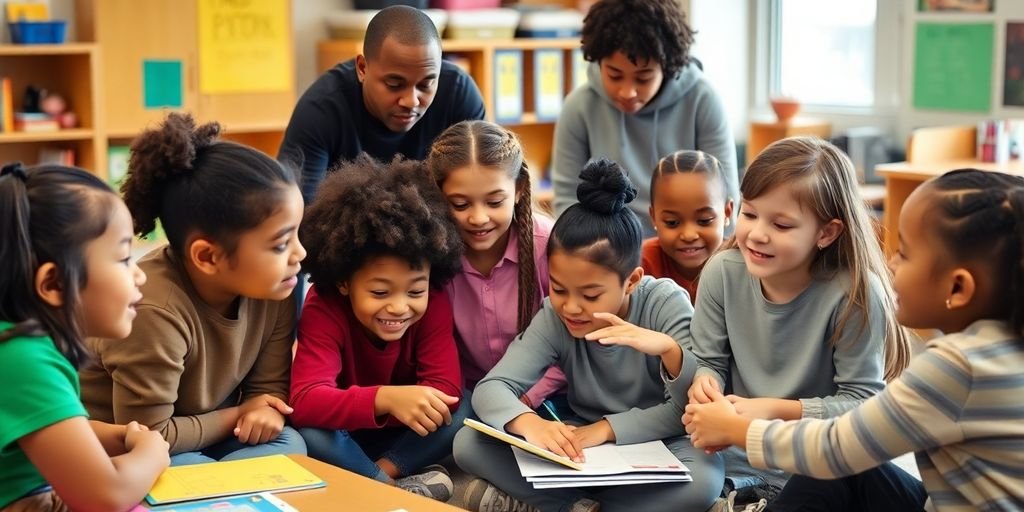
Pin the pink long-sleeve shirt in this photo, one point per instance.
(486, 313)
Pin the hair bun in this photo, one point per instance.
(604, 187)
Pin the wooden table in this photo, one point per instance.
(903, 177)
(348, 491)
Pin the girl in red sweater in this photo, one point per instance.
(376, 380)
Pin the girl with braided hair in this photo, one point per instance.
(376, 383)
(959, 269)
(481, 169)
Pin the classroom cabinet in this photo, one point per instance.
(221, 60)
(71, 70)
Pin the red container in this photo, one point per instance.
(455, 5)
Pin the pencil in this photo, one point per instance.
(551, 410)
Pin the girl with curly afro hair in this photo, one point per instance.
(208, 360)
(376, 380)
(645, 97)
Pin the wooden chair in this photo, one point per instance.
(941, 144)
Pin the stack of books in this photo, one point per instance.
(607, 464)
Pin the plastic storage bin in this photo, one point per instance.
(482, 24)
(380, 4)
(347, 24)
(37, 32)
(455, 5)
(550, 23)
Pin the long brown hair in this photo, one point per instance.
(489, 145)
(823, 179)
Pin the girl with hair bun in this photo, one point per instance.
(208, 362)
(622, 340)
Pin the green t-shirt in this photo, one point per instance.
(40, 389)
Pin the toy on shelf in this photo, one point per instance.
(30, 23)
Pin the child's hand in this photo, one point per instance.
(701, 389)
(553, 436)
(621, 332)
(716, 424)
(421, 408)
(260, 419)
(138, 436)
(758, 408)
(259, 426)
(596, 433)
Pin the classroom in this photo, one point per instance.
(511, 255)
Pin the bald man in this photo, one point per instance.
(394, 98)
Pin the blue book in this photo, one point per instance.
(262, 502)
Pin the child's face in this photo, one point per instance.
(689, 214)
(917, 268)
(112, 289)
(482, 200)
(388, 295)
(630, 86)
(579, 288)
(779, 238)
(266, 261)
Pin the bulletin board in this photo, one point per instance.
(953, 64)
(244, 46)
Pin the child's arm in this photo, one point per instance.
(146, 370)
(709, 334)
(111, 436)
(96, 481)
(427, 406)
(667, 322)
(269, 377)
(315, 396)
(858, 357)
(572, 150)
(905, 417)
(496, 398)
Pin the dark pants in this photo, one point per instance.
(884, 488)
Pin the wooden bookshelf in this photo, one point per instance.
(71, 70)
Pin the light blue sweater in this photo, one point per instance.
(766, 349)
(685, 114)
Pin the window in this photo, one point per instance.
(823, 52)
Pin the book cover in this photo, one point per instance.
(219, 479)
(262, 502)
(522, 444)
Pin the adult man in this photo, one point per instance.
(394, 98)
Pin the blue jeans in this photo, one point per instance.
(358, 450)
(287, 442)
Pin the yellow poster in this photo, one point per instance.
(244, 46)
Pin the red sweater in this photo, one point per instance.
(337, 369)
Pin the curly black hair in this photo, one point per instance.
(642, 29)
(367, 208)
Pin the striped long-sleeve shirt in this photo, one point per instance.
(958, 407)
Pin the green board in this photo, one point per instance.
(161, 83)
(953, 66)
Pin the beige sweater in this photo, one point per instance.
(183, 361)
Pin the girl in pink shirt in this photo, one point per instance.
(482, 172)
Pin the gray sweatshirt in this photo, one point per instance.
(685, 114)
(782, 350)
(617, 383)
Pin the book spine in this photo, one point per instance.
(7, 96)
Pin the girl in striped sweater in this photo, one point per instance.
(959, 269)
